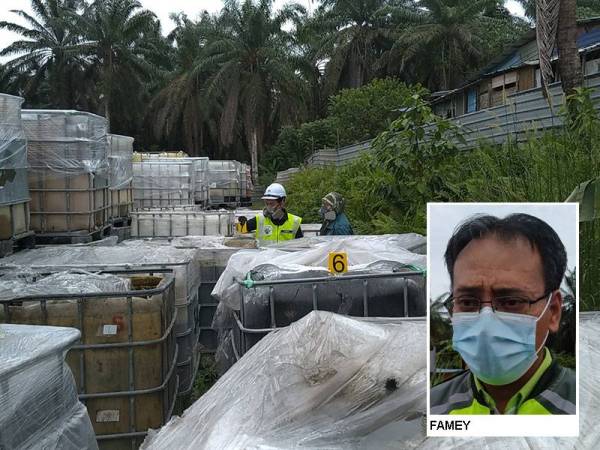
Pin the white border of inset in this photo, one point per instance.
(510, 425)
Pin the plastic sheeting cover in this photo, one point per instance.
(410, 241)
(39, 408)
(13, 152)
(66, 142)
(361, 252)
(29, 283)
(323, 382)
(120, 161)
(277, 406)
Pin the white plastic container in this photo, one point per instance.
(177, 223)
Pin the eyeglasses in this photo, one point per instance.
(510, 303)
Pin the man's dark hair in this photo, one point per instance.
(540, 235)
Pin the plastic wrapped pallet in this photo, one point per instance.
(200, 180)
(145, 258)
(14, 190)
(212, 257)
(26, 282)
(160, 182)
(412, 242)
(126, 389)
(361, 252)
(329, 380)
(121, 174)
(39, 408)
(224, 182)
(299, 409)
(69, 170)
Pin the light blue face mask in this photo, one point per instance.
(498, 347)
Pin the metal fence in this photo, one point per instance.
(522, 114)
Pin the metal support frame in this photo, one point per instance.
(250, 284)
(167, 341)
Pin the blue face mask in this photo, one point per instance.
(498, 347)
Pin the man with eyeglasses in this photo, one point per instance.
(505, 277)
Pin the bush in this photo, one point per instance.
(354, 115)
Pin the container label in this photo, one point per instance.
(109, 330)
(338, 262)
(107, 415)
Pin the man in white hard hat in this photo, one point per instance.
(275, 224)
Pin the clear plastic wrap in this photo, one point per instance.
(361, 252)
(330, 381)
(224, 181)
(26, 282)
(13, 152)
(200, 180)
(62, 142)
(120, 161)
(183, 261)
(412, 242)
(39, 408)
(163, 182)
(279, 405)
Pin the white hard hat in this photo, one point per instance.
(275, 191)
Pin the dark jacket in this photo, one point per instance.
(338, 227)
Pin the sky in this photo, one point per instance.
(444, 218)
(162, 8)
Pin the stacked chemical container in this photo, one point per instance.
(200, 181)
(246, 186)
(14, 191)
(162, 182)
(224, 183)
(121, 176)
(68, 175)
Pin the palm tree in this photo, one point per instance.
(585, 8)
(354, 34)
(556, 26)
(49, 54)
(179, 113)
(121, 40)
(445, 42)
(251, 72)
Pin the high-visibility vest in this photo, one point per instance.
(554, 393)
(269, 233)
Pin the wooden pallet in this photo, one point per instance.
(76, 237)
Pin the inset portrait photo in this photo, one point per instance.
(503, 319)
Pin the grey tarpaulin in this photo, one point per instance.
(39, 408)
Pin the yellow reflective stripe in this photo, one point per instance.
(474, 408)
(531, 407)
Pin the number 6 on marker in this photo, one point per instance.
(338, 262)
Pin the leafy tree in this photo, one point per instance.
(355, 115)
(48, 58)
(251, 72)
(121, 40)
(179, 114)
(354, 35)
(445, 42)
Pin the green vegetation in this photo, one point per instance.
(225, 85)
(414, 163)
(207, 376)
